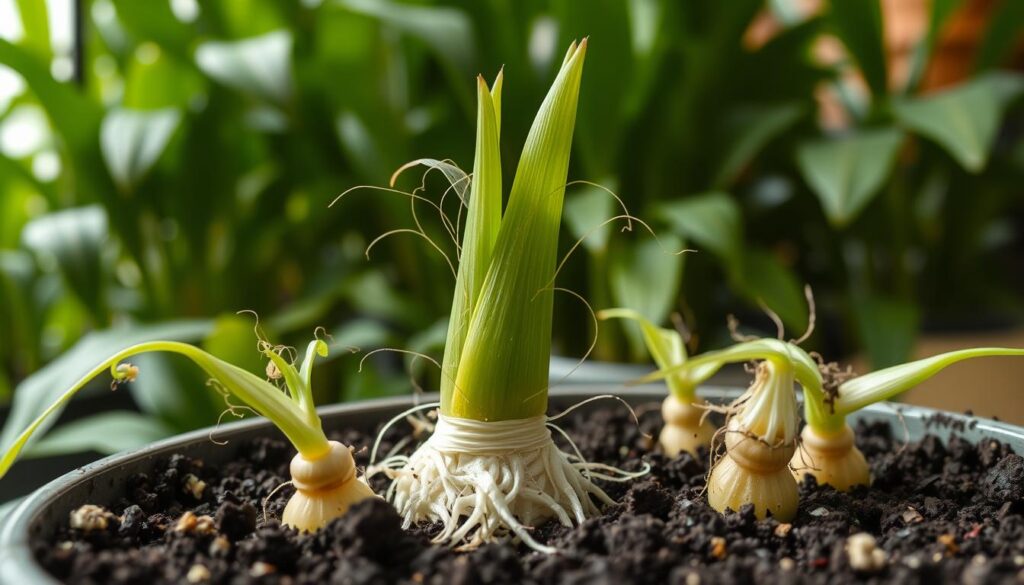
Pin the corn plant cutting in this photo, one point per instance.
(491, 467)
(323, 471)
(829, 453)
(683, 412)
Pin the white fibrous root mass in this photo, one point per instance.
(484, 480)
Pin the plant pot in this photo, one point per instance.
(42, 513)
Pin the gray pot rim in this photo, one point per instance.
(18, 564)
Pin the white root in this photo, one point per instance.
(483, 480)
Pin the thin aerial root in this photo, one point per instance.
(734, 330)
(593, 340)
(812, 316)
(266, 500)
(780, 328)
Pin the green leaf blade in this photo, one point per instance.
(504, 369)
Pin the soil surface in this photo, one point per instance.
(937, 513)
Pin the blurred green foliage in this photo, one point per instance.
(188, 176)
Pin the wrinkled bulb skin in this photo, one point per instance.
(325, 488)
(832, 458)
(754, 472)
(683, 430)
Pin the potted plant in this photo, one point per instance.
(483, 492)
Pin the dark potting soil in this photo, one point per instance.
(938, 513)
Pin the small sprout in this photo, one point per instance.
(830, 454)
(760, 435)
(327, 485)
(195, 486)
(686, 427)
(90, 517)
(124, 373)
(864, 555)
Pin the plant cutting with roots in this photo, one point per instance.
(829, 452)
(763, 457)
(491, 467)
(323, 472)
(683, 412)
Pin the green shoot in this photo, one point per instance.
(293, 412)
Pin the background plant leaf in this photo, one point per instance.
(106, 433)
(132, 141)
(846, 173)
(963, 120)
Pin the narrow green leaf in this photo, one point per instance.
(963, 120)
(709, 220)
(858, 23)
(260, 66)
(748, 131)
(848, 172)
(106, 433)
(885, 384)
(132, 142)
(35, 22)
(446, 30)
(645, 276)
(665, 346)
(1001, 37)
(940, 12)
(482, 226)
(36, 393)
(503, 373)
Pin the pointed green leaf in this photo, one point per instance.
(133, 140)
(37, 392)
(503, 373)
(665, 346)
(709, 220)
(846, 173)
(858, 23)
(885, 384)
(748, 131)
(963, 120)
(261, 66)
(482, 224)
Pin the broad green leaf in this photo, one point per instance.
(888, 328)
(963, 120)
(133, 140)
(35, 22)
(749, 131)
(885, 384)
(846, 173)
(763, 279)
(37, 392)
(73, 240)
(106, 433)
(645, 275)
(260, 66)
(585, 211)
(858, 23)
(483, 220)
(359, 333)
(503, 373)
(709, 220)
(446, 30)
